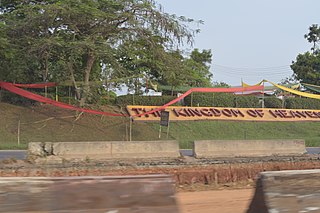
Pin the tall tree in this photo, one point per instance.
(83, 34)
(313, 36)
(306, 68)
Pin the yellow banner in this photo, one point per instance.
(224, 113)
(304, 94)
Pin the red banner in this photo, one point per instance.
(10, 87)
(40, 85)
(216, 90)
(13, 88)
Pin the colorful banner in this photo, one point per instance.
(225, 90)
(303, 94)
(10, 87)
(40, 85)
(147, 113)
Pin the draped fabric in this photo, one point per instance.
(10, 87)
(247, 85)
(40, 85)
(292, 89)
(304, 94)
(14, 89)
(312, 87)
(226, 90)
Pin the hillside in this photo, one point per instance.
(47, 123)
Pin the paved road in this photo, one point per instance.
(21, 154)
(17, 154)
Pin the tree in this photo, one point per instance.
(313, 36)
(84, 34)
(307, 68)
(198, 67)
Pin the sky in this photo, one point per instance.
(251, 40)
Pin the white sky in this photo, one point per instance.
(250, 39)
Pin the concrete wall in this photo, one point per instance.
(287, 191)
(125, 194)
(248, 148)
(105, 149)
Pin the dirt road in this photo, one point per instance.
(220, 201)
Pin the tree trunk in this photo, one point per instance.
(73, 79)
(87, 71)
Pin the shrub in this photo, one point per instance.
(125, 100)
(222, 100)
(210, 99)
(302, 103)
(272, 102)
(247, 102)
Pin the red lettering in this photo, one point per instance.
(215, 112)
(179, 112)
(195, 112)
(252, 113)
(227, 112)
(137, 111)
(237, 112)
(276, 113)
(206, 112)
(260, 113)
(295, 114)
(311, 114)
(285, 114)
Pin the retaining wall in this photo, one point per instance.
(287, 191)
(125, 194)
(105, 149)
(248, 148)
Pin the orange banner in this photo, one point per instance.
(177, 113)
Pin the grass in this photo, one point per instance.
(47, 123)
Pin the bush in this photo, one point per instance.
(272, 102)
(210, 99)
(12, 98)
(247, 102)
(222, 100)
(302, 103)
(125, 100)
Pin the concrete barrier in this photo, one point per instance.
(99, 150)
(287, 191)
(248, 148)
(125, 194)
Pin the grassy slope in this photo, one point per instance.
(47, 123)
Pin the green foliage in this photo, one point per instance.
(302, 103)
(222, 100)
(248, 101)
(272, 102)
(125, 100)
(197, 69)
(75, 39)
(108, 99)
(313, 36)
(307, 68)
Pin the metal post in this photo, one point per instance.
(130, 129)
(57, 99)
(160, 132)
(263, 95)
(19, 132)
(69, 95)
(168, 130)
(191, 99)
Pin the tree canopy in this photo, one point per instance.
(85, 40)
(306, 68)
